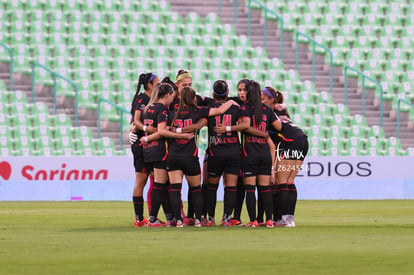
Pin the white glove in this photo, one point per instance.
(132, 137)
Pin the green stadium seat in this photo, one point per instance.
(194, 18)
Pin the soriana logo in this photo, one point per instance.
(63, 172)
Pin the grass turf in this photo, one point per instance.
(345, 237)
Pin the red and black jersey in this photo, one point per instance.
(251, 144)
(289, 132)
(224, 143)
(187, 117)
(282, 113)
(155, 150)
(138, 105)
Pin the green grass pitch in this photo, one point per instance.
(331, 237)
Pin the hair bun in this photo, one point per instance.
(220, 87)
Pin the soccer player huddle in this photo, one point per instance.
(252, 143)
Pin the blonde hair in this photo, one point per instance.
(159, 91)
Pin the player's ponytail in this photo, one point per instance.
(254, 98)
(279, 97)
(143, 80)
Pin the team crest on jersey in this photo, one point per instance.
(165, 114)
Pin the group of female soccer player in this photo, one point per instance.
(252, 142)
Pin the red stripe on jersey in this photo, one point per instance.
(166, 151)
(244, 149)
(196, 149)
(285, 139)
(209, 149)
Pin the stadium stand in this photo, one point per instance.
(103, 45)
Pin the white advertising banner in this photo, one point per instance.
(121, 168)
(112, 178)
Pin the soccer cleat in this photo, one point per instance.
(197, 223)
(269, 224)
(251, 224)
(157, 223)
(290, 221)
(262, 224)
(171, 223)
(204, 221)
(188, 221)
(283, 222)
(180, 224)
(279, 223)
(163, 223)
(142, 223)
(225, 224)
(211, 223)
(236, 222)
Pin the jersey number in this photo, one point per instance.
(262, 125)
(179, 123)
(148, 122)
(226, 122)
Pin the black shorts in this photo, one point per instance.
(139, 164)
(229, 164)
(295, 150)
(254, 165)
(189, 165)
(156, 164)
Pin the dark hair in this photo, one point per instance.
(188, 95)
(163, 89)
(220, 89)
(143, 79)
(243, 81)
(254, 98)
(279, 97)
(169, 81)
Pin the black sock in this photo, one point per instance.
(260, 209)
(267, 201)
(275, 206)
(283, 191)
(138, 207)
(293, 197)
(251, 201)
(175, 199)
(166, 205)
(156, 197)
(211, 200)
(197, 200)
(225, 204)
(241, 192)
(229, 201)
(204, 189)
(190, 208)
